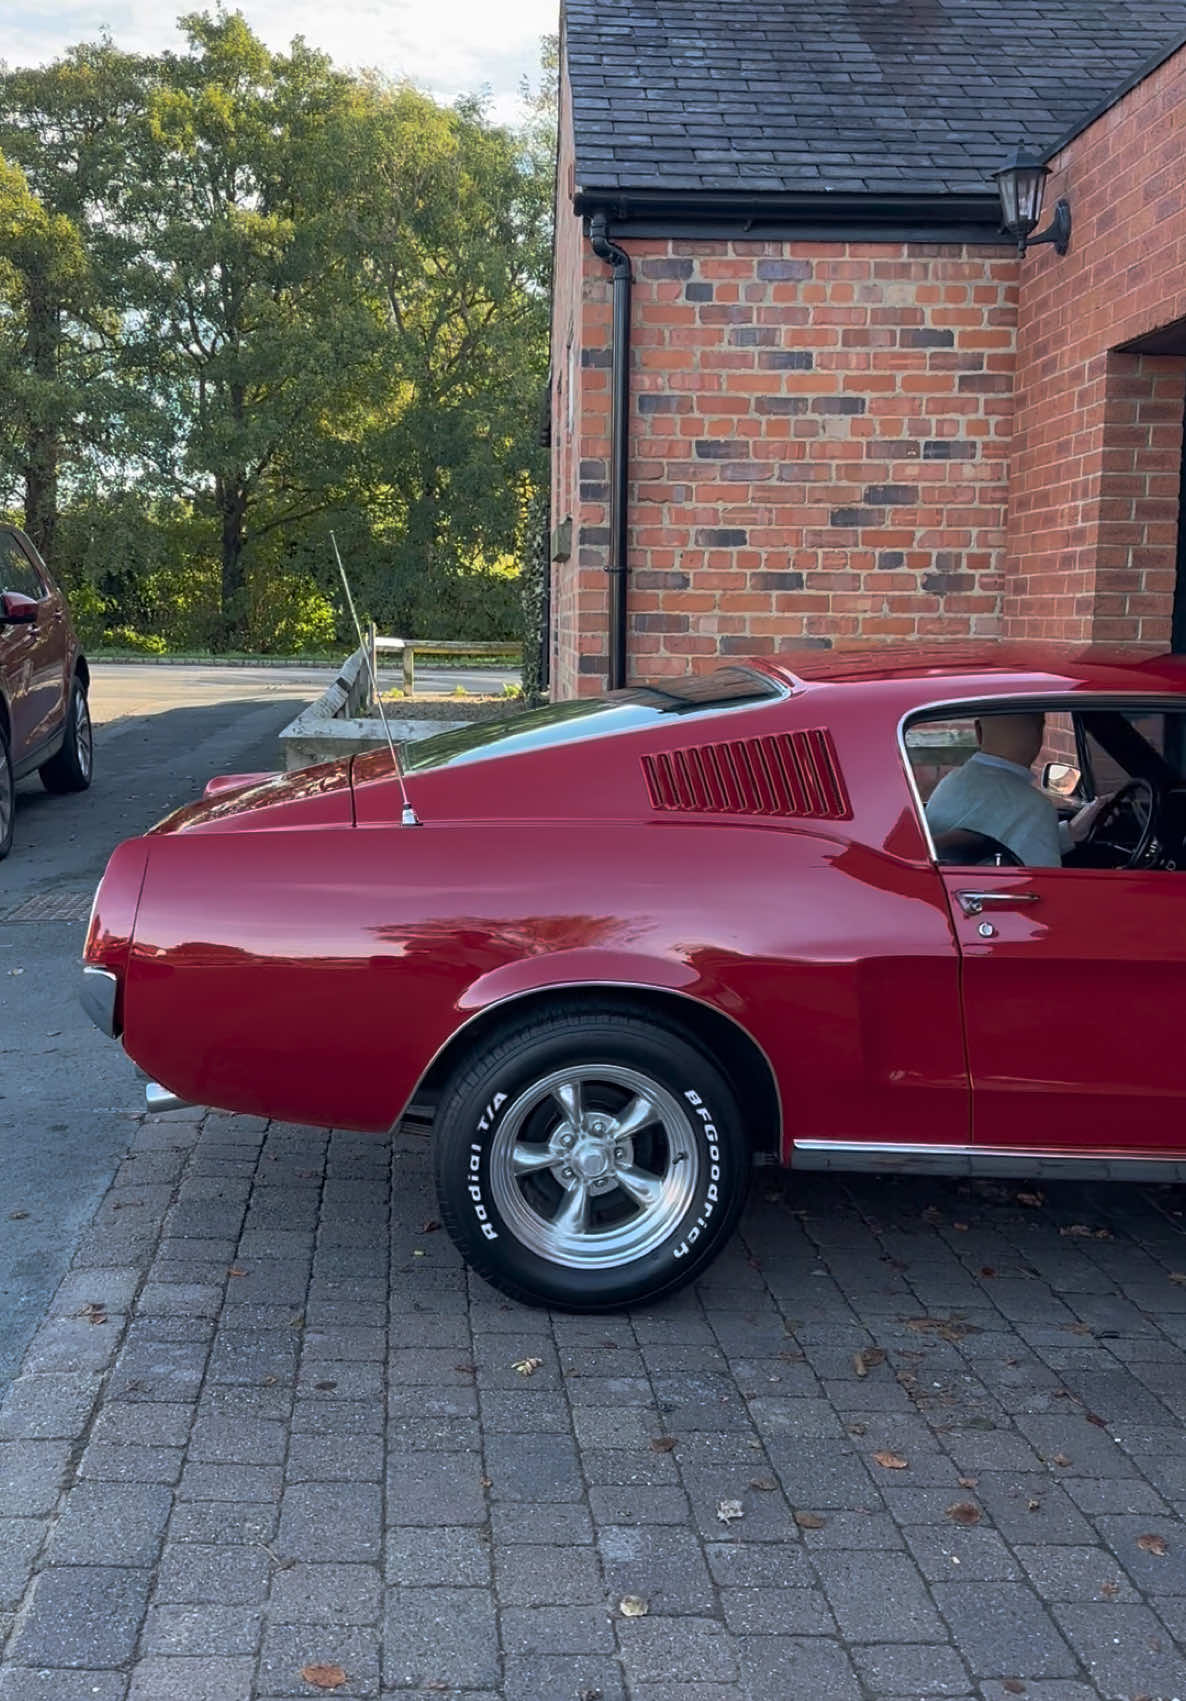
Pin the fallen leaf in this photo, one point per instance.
(968, 1482)
(662, 1443)
(1109, 1590)
(325, 1387)
(95, 1312)
(486, 1482)
(987, 1270)
(1077, 1229)
(1013, 1686)
(867, 1359)
(527, 1366)
(17, 1216)
(438, 1685)
(430, 1227)
(323, 1676)
(947, 1328)
(1178, 1276)
(764, 1485)
(1103, 1234)
(963, 1512)
(589, 1694)
(465, 1368)
(729, 1511)
(633, 1606)
(1152, 1544)
(891, 1461)
(932, 1215)
(1033, 1200)
(1033, 1505)
(236, 1271)
(1078, 1328)
(1094, 1417)
(960, 1228)
(857, 1428)
(1061, 1460)
(810, 1520)
(417, 1252)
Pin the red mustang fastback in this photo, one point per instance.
(824, 912)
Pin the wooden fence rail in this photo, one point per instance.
(409, 648)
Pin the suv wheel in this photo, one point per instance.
(7, 793)
(71, 768)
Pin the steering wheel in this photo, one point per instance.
(1139, 799)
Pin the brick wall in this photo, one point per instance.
(1094, 491)
(836, 444)
(819, 442)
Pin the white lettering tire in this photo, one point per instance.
(590, 1159)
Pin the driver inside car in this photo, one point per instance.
(995, 793)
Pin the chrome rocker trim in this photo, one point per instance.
(887, 1158)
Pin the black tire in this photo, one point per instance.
(7, 793)
(669, 1194)
(71, 768)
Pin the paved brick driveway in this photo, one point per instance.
(272, 1425)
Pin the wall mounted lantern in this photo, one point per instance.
(1021, 182)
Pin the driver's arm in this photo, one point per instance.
(1074, 831)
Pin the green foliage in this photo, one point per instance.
(246, 297)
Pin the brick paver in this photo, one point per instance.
(905, 1440)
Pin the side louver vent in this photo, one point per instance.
(785, 773)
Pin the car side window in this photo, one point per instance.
(17, 572)
(937, 748)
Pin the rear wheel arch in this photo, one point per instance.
(723, 1040)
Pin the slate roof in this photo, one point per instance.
(897, 97)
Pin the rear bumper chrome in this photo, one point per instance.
(100, 989)
(158, 1099)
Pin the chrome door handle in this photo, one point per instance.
(973, 902)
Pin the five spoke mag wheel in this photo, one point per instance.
(590, 1160)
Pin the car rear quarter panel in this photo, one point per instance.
(313, 975)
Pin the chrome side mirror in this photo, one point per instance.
(1061, 778)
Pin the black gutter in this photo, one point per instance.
(619, 489)
(869, 210)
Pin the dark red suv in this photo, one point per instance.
(44, 719)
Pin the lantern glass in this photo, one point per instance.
(1021, 182)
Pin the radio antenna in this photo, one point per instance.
(408, 815)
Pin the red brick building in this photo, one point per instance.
(847, 409)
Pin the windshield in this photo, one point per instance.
(588, 717)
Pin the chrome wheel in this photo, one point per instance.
(595, 1166)
(83, 739)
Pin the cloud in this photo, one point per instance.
(450, 47)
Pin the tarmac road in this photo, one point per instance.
(67, 1095)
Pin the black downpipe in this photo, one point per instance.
(619, 446)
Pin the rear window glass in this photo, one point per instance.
(588, 717)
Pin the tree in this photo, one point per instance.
(248, 334)
(452, 242)
(62, 126)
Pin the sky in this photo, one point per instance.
(449, 47)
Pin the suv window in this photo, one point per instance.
(17, 572)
